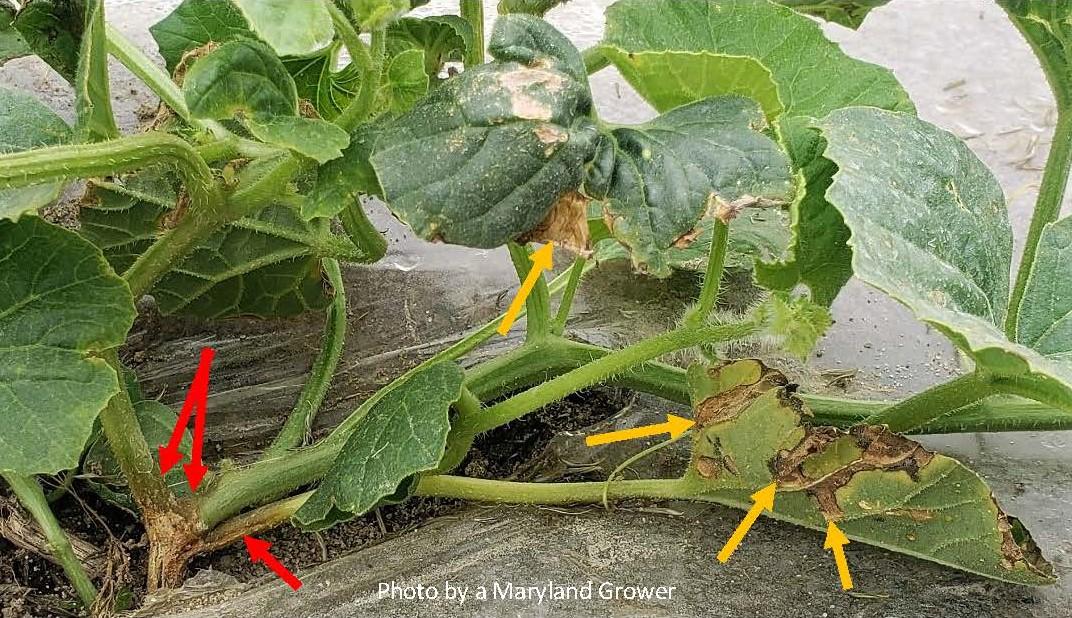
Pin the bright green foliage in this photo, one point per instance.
(655, 181)
(403, 434)
(930, 228)
(93, 98)
(849, 13)
(676, 52)
(443, 38)
(290, 28)
(1047, 26)
(795, 322)
(318, 82)
(59, 302)
(312, 137)
(880, 488)
(25, 123)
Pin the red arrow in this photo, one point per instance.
(258, 552)
(196, 399)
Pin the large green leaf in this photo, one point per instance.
(25, 123)
(678, 52)
(655, 181)
(53, 30)
(850, 13)
(1047, 26)
(403, 434)
(93, 96)
(291, 28)
(195, 23)
(930, 229)
(59, 302)
(442, 37)
(484, 157)
(241, 76)
(880, 488)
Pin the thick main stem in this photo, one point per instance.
(484, 490)
(472, 11)
(934, 403)
(29, 493)
(1047, 209)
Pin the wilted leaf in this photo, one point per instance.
(25, 123)
(930, 229)
(677, 52)
(195, 23)
(656, 180)
(290, 28)
(443, 38)
(93, 96)
(880, 488)
(312, 137)
(1047, 26)
(403, 434)
(59, 302)
(484, 156)
(849, 13)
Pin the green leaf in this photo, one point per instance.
(930, 229)
(240, 77)
(290, 28)
(341, 182)
(312, 137)
(483, 158)
(403, 434)
(53, 30)
(1045, 319)
(404, 81)
(655, 181)
(443, 38)
(195, 23)
(849, 13)
(376, 14)
(880, 488)
(795, 322)
(25, 123)
(531, 7)
(678, 52)
(318, 82)
(1047, 26)
(12, 44)
(93, 97)
(60, 301)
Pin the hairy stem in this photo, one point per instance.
(1047, 209)
(538, 303)
(575, 273)
(484, 490)
(149, 73)
(472, 11)
(29, 493)
(363, 233)
(359, 107)
(934, 403)
(716, 262)
(295, 430)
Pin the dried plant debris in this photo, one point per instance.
(881, 488)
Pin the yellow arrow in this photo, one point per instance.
(674, 425)
(836, 541)
(541, 261)
(763, 499)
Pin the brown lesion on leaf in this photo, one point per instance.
(1017, 546)
(727, 211)
(566, 224)
(551, 137)
(728, 404)
(880, 448)
(519, 84)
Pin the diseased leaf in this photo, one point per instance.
(312, 137)
(290, 28)
(93, 96)
(443, 38)
(53, 30)
(196, 22)
(403, 434)
(25, 123)
(655, 181)
(485, 156)
(11, 43)
(1044, 322)
(59, 301)
(1047, 26)
(240, 77)
(880, 488)
(849, 13)
(930, 229)
(404, 81)
(678, 52)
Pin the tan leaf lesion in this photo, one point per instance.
(566, 224)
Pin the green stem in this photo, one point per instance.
(29, 493)
(716, 262)
(363, 233)
(934, 402)
(600, 370)
(484, 490)
(148, 72)
(295, 430)
(576, 271)
(359, 107)
(272, 478)
(594, 60)
(1047, 209)
(538, 303)
(472, 11)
